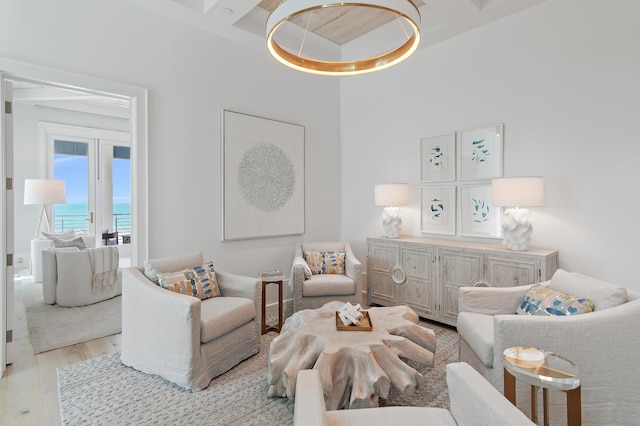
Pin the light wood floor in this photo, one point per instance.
(29, 387)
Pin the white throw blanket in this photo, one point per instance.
(104, 262)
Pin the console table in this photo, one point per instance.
(426, 274)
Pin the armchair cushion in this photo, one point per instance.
(328, 284)
(220, 315)
(478, 331)
(541, 300)
(72, 242)
(325, 262)
(604, 295)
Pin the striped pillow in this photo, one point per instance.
(199, 281)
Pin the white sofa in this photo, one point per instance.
(67, 275)
(604, 344)
(313, 291)
(473, 402)
(181, 338)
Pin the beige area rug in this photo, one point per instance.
(102, 391)
(53, 326)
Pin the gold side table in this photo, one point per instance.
(546, 370)
(271, 277)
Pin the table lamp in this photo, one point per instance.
(515, 193)
(391, 195)
(44, 191)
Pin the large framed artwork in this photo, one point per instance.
(438, 210)
(262, 177)
(478, 218)
(438, 158)
(481, 152)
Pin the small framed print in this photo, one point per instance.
(481, 152)
(438, 158)
(478, 218)
(438, 210)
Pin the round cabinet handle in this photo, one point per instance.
(398, 275)
(481, 284)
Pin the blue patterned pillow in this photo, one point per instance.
(199, 281)
(325, 262)
(541, 300)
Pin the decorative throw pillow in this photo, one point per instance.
(325, 262)
(541, 300)
(199, 281)
(74, 242)
(66, 235)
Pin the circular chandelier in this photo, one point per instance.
(305, 12)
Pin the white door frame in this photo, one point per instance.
(13, 70)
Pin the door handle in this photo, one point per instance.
(91, 217)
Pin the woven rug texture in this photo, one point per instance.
(53, 326)
(102, 391)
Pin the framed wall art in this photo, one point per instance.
(478, 218)
(438, 210)
(480, 152)
(262, 177)
(438, 158)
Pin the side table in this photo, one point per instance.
(271, 277)
(547, 370)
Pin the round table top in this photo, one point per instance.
(541, 368)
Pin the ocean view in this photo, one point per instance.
(75, 216)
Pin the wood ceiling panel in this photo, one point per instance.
(340, 24)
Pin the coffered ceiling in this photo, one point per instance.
(244, 20)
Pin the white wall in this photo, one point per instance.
(563, 77)
(191, 76)
(26, 150)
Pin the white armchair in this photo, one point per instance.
(68, 275)
(604, 344)
(473, 401)
(181, 338)
(313, 291)
(39, 244)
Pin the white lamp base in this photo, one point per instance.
(391, 222)
(517, 228)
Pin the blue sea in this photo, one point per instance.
(75, 216)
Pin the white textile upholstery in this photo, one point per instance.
(473, 400)
(181, 338)
(68, 275)
(603, 344)
(315, 291)
(39, 244)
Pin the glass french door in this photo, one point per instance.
(97, 175)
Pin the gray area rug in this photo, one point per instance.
(53, 326)
(102, 391)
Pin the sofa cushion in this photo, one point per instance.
(65, 235)
(328, 284)
(325, 262)
(220, 315)
(152, 267)
(541, 300)
(477, 331)
(604, 295)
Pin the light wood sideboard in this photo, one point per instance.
(426, 274)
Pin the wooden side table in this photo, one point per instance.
(271, 277)
(547, 370)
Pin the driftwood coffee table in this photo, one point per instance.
(356, 367)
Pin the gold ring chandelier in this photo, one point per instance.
(405, 11)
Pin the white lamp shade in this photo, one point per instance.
(517, 192)
(44, 191)
(392, 194)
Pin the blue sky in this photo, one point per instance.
(74, 171)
